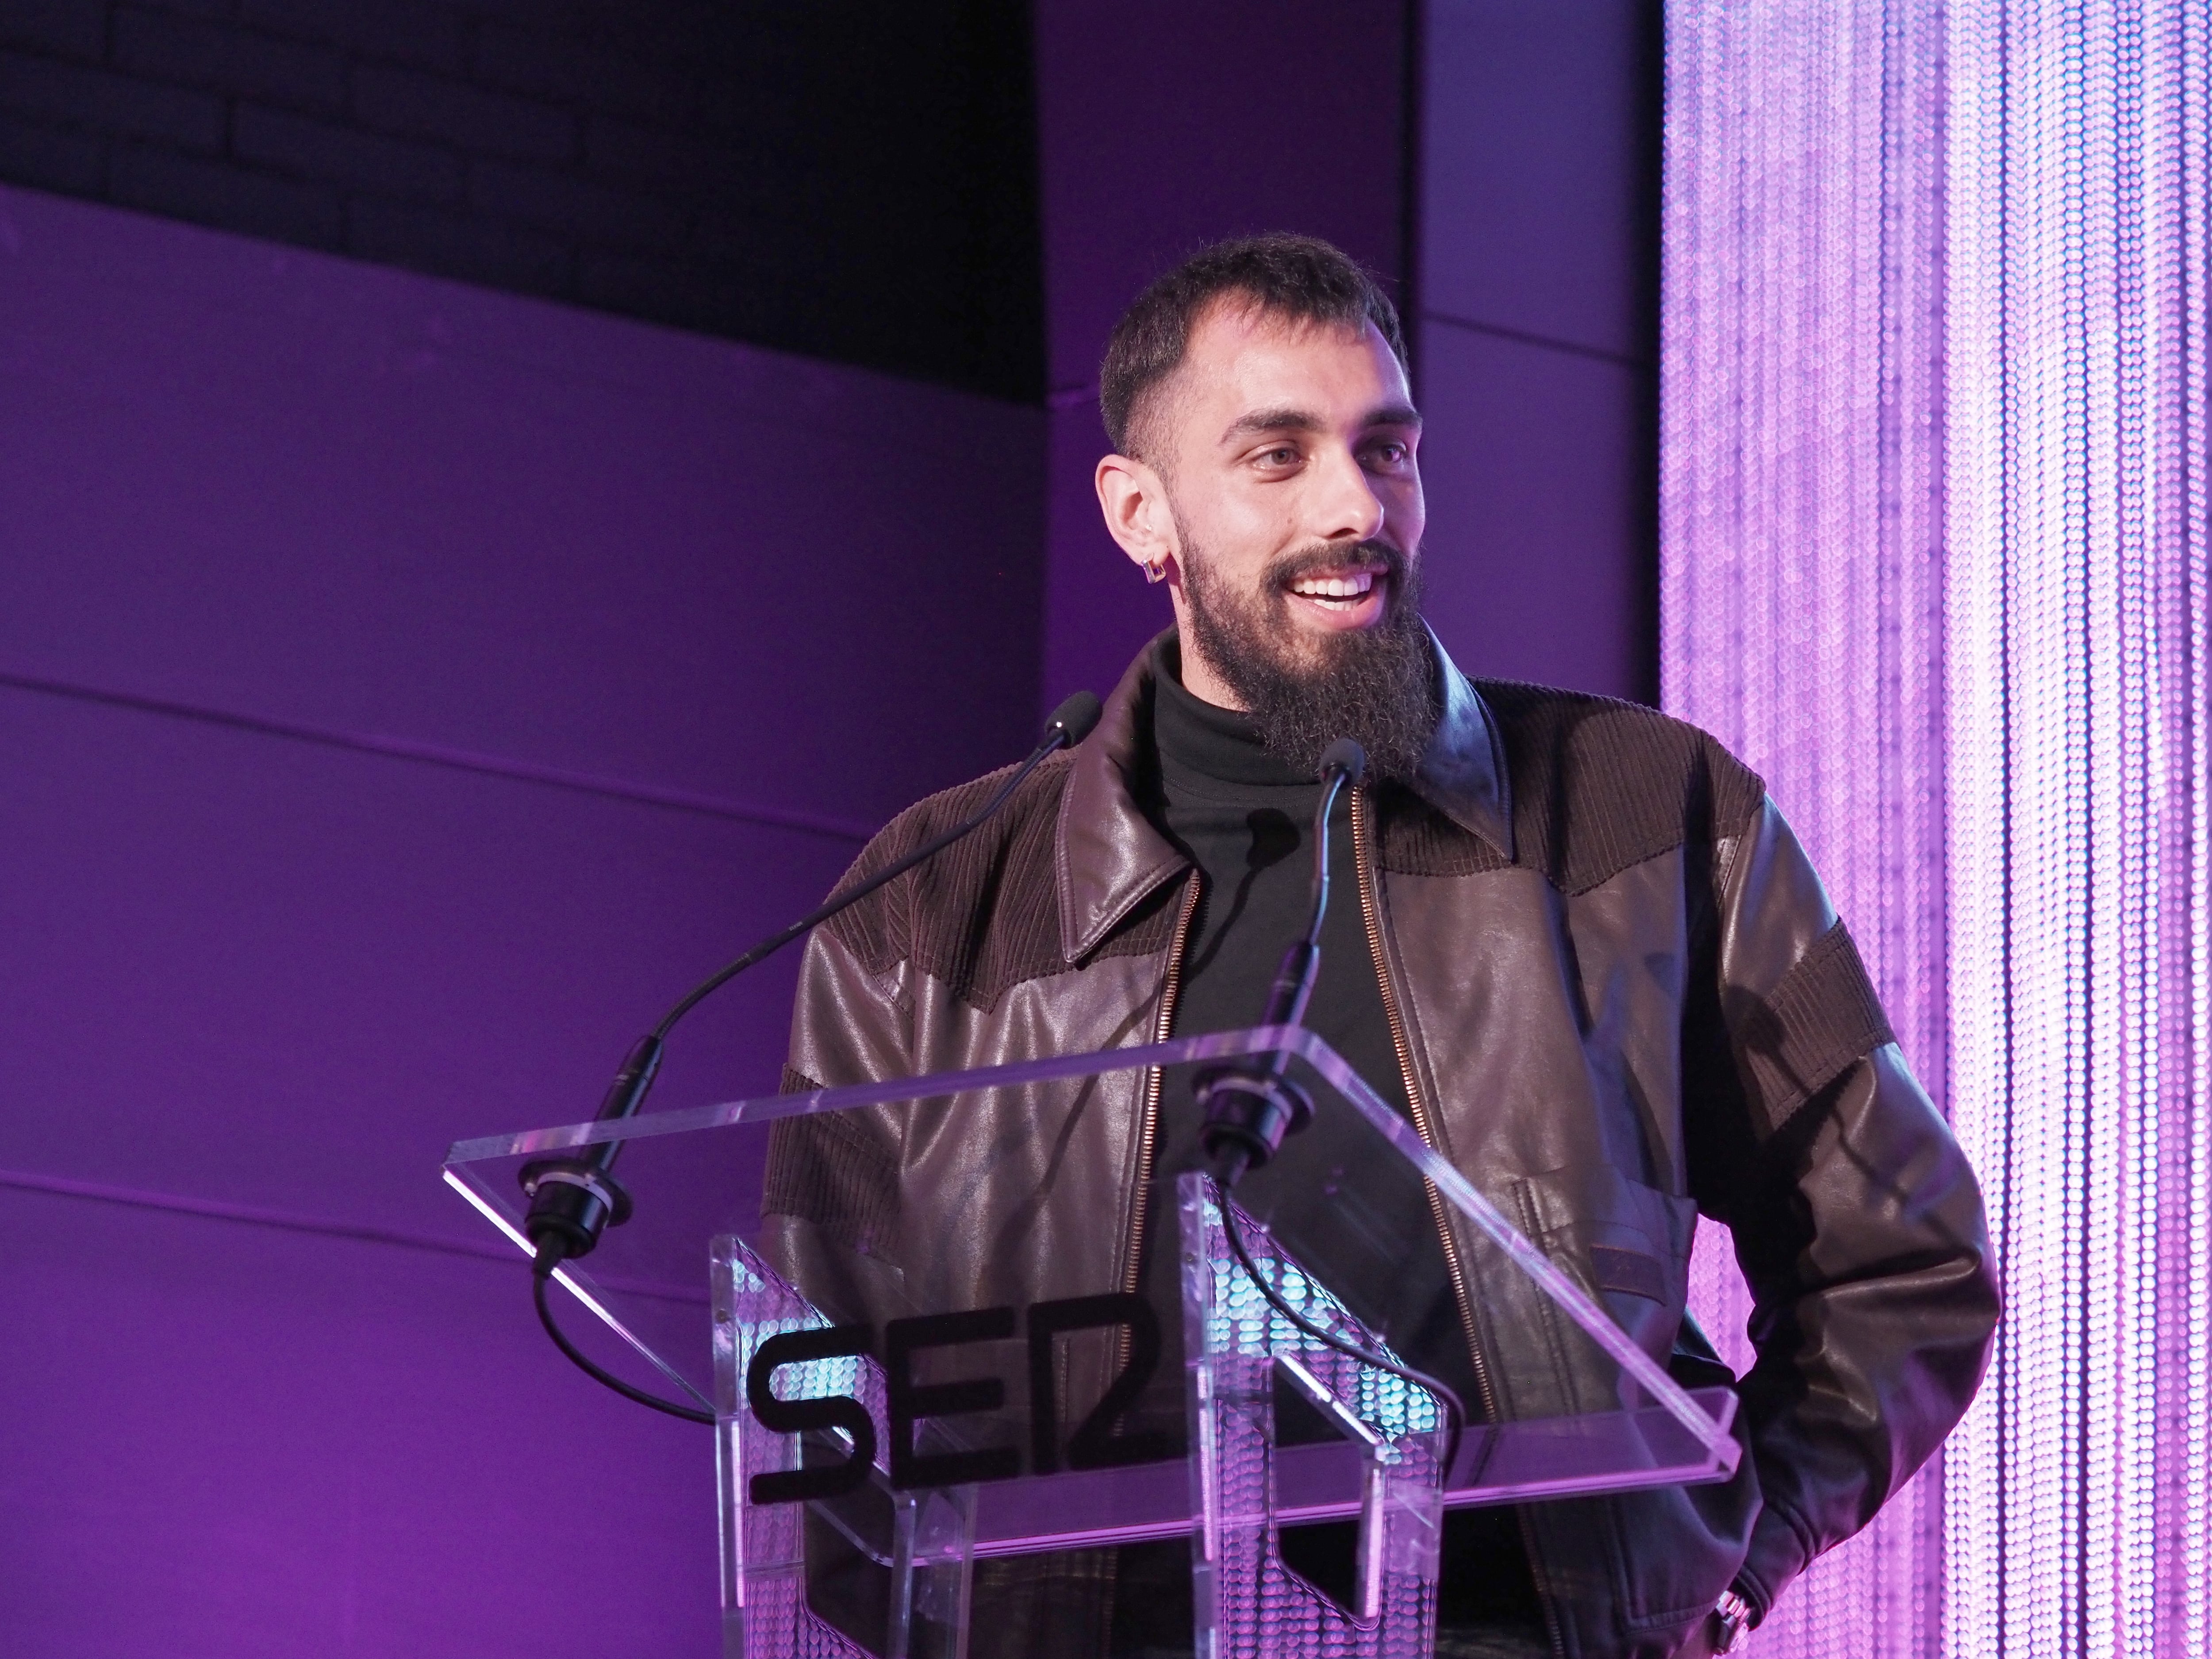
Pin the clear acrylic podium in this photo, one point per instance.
(886, 1482)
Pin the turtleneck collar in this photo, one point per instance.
(1199, 739)
(1109, 856)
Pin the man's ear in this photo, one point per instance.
(1135, 500)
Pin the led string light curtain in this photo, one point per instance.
(1934, 559)
(2079, 966)
(1801, 481)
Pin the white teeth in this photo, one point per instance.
(1334, 587)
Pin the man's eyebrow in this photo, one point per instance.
(1287, 419)
(1271, 420)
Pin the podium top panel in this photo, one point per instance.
(1294, 1040)
(728, 1171)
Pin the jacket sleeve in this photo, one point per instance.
(831, 1205)
(1857, 1221)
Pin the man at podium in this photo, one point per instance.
(1587, 959)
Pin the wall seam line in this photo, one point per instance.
(1521, 337)
(251, 1215)
(254, 1215)
(461, 760)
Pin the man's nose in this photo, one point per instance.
(1344, 504)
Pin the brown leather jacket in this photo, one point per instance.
(1620, 998)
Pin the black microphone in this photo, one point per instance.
(573, 1200)
(1252, 1106)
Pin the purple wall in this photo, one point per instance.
(811, 177)
(1163, 126)
(406, 691)
(1536, 338)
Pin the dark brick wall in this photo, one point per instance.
(850, 180)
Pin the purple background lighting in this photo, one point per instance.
(2080, 1509)
(1536, 345)
(251, 492)
(1934, 559)
(1802, 574)
(407, 690)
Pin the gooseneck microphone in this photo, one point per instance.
(1253, 1105)
(574, 1200)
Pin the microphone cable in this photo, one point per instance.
(593, 1369)
(574, 1200)
(1446, 1396)
(1252, 1110)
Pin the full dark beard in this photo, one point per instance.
(1376, 686)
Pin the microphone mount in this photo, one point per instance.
(1252, 1106)
(575, 1199)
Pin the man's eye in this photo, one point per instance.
(1283, 455)
(1391, 454)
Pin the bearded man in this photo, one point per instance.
(1587, 958)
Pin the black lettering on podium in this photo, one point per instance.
(835, 1410)
(910, 1400)
(1094, 1444)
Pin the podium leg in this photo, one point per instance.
(932, 1574)
(1246, 1603)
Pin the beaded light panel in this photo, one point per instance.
(1801, 515)
(1934, 560)
(2078, 965)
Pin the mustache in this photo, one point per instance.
(1326, 558)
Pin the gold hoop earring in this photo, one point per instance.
(1156, 570)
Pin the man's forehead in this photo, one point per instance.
(1235, 327)
(1251, 356)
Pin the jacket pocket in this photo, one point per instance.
(1626, 1244)
(1658, 1557)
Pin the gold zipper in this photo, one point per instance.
(1148, 1126)
(1371, 909)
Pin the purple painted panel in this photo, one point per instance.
(1163, 125)
(285, 484)
(246, 1443)
(278, 973)
(1537, 489)
(282, 972)
(1533, 169)
(1100, 610)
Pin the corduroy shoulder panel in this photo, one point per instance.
(1598, 785)
(1419, 840)
(1822, 1016)
(983, 914)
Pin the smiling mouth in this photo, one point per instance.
(1344, 589)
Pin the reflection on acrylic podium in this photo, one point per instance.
(906, 1473)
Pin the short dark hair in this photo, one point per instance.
(1296, 276)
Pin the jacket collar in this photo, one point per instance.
(1464, 774)
(1108, 856)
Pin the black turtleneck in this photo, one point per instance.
(1362, 1222)
(1245, 818)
